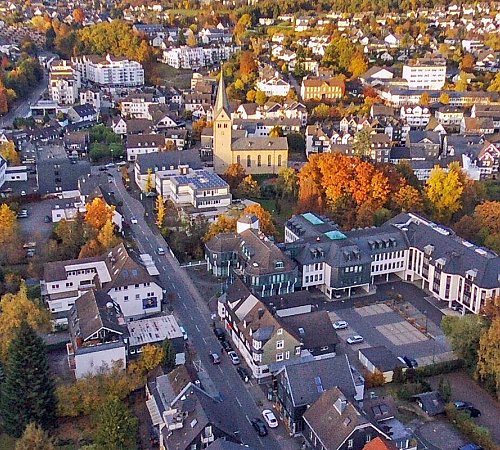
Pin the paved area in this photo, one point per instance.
(439, 434)
(372, 310)
(401, 333)
(33, 227)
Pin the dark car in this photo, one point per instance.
(474, 412)
(259, 426)
(459, 404)
(470, 447)
(410, 362)
(226, 346)
(244, 373)
(220, 334)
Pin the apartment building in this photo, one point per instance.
(449, 116)
(137, 106)
(140, 144)
(186, 57)
(64, 82)
(416, 116)
(130, 284)
(425, 73)
(274, 86)
(110, 71)
(320, 89)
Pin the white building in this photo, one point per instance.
(425, 73)
(136, 106)
(110, 71)
(184, 57)
(64, 82)
(3, 170)
(416, 116)
(275, 86)
(140, 144)
(127, 282)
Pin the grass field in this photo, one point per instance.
(180, 78)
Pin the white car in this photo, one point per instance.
(270, 418)
(184, 334)
(340, 325)
(233, 356)
(355, 339)
(133, 220)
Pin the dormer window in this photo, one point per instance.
(279, 265)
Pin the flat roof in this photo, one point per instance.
(152, 330)
(312, 218)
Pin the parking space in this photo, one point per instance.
(34, 227)
(401, 333)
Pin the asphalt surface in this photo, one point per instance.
(192, 311)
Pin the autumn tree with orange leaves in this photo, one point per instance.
(266, 224)
(98, 213)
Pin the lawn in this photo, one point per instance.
(280, 218)
(165, 74)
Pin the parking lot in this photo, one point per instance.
(33, 227)
(380, 325)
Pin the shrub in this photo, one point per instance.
(408, 390)
(439, 368)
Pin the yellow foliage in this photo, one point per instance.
(98, 213)
(151, 357)
(265, 219)
(8, 151)
(8, 224)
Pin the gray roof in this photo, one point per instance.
(66, 176)
(260, 143)
(222, 101)
(417, 136)
(220, 444)
(382, 358)
(432, 402)
(164, 160)
(307, 380)
(457, 255)
(200, 179)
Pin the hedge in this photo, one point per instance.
(439, 368)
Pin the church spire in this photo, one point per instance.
(222, 102)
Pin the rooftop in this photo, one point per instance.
(155, 329)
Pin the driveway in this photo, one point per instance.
(439, 434)
(466, 389)
(33, 227)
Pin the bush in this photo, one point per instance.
(439, 368)
(408, 390)
(479, 435)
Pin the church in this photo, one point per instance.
(257, 155)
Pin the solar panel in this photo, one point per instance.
(319, 385)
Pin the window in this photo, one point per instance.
(280, 344)
(350, 443)
(269, 160)
(249, 161)
(259, 161)
(125, 298)
(279, 357)
(287, 355)
(279, 160)
(297, 350)
(238, 160)
(280, 331)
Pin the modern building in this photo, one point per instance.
(425, 73)
(140, 144)
(126, 281)
(64, 82)
(258, 155)
(109, 71)
(274, 86)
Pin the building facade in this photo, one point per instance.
(425, 73)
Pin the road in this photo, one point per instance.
(22, 108)
(193, 313)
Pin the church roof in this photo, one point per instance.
(222, 102)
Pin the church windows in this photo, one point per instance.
(259, 161)
(238, 159)
(269, 160)
(279, 160)
(249, 161)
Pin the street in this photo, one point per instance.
(194, 315)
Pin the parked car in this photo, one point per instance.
(233, 356)
(133, 220)
(410, 362)
(244, 373)
(226, 346)
(160, 251)
(270, 418)
(184, 334)
(215, 358)
(259, 426)
(470, 447)
(357, 339)
(220, 334)
(340, 325)
(474, 412)
(459, 404)
(467, 407)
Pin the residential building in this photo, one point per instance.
(333, 422)
(316, 140)
(136, 106)
(487, 111)
(140, 144)
(380, 360)
(94, 97)
(126, 281)
(415, 116)
(321, 89)
(98, 335)
(83, 113)
(258, 155)
(425, 73)
(264, 268)
(449, 116)
(431, 403)
(427, 142)
(477, 125)
(109, 71)
(274, 86)
(300, 384)
(64, 82)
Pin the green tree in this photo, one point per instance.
(362, 143)
(28, 392)
(288, 182)
(296, 142)
(321, 111)
(169, 355)
(464, 333)
(444, 389)
(249, 187)
(35, 438)
(116, 427)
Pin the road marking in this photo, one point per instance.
(237, 401)
(248, 418)
(196, 326)
(205, 341)
(220, 370)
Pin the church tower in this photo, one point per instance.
(223, 127)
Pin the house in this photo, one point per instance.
(82, 113)
(487, 111)
(140, 144)
(376, 74)
(274, 86)
(98, 335)
(316, 140)
(76, 143)
(300, 384)
(415, 116)
(119, 125)
(425, 73)
(427, 141)
(379, 359)
(321, 89)
(449, 116)
(176, 139)
(264, 268)
(477, 125)
(332, 422)
(431, 403)
(187, 418)
(379, 444)
(137, 105)
(125, 280)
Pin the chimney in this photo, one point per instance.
(261, 313)
(340, 404)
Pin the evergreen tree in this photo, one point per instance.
(169, 355)
(28, 392)
(116, 427)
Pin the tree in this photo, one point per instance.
(467, 63)
(339, 54)
(78, 16)
(251, 94)
(495, 84)
(321, 111)
(398, 377)
(408, 199)
(296, 142)
(234, 175)
(17, 308)
(362, 143)
(151, 357)
(358, 65)
(160, 211)
(488, 216)
(444, 389)
(149, 181)
(444, 98)
(198, 126)
(444, 190)
(425, 99)
(28, 392)
(191, 40)
(489, 354)
(98, 213)
(463, 334)
(4, 101)
(288, 182)
(468, 228)
(248, 187)
(169, 355)
(8, 151)
(106, 236)
(223, 224)
(265, 218)
(241, 26)
(116, 427)
(90, 249)
(260, 98)
(277, 131)
(248, 64)
(8, 224)
(35, 438)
